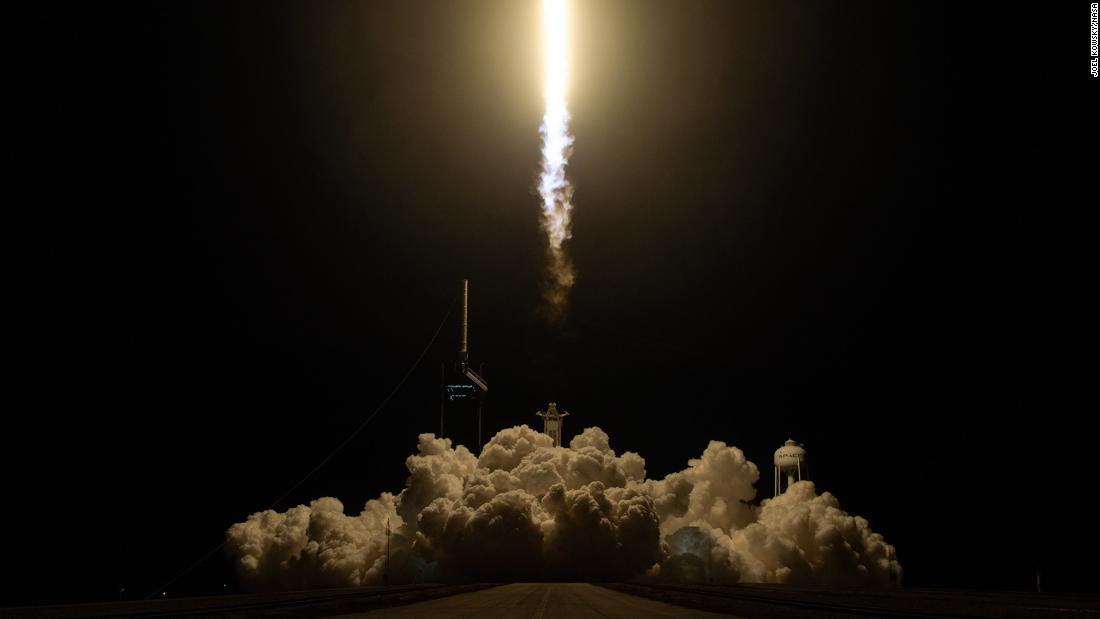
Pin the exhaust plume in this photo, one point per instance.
(524, 509)
(554, 187)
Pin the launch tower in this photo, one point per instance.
(464, 386)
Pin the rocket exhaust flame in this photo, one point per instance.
(554, 187)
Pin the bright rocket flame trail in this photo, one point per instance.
(554, 188)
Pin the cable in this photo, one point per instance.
(332, 453)
(377, 410)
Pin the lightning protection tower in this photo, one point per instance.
(552, 421)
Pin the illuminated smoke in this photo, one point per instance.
(554, 187)
(526, 510)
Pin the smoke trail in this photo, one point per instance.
(554, 187)
(524, 509)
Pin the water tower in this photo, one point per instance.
(790, 459)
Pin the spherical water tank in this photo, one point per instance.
(790, 457)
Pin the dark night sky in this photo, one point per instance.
(837, 221)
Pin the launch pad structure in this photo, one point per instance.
(552, 420)
(463, 384)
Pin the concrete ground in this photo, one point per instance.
(539, 601)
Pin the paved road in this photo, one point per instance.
(540, 601)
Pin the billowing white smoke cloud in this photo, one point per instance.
(526, 510)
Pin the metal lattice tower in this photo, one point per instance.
(552, 422)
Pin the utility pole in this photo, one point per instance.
(386, 575)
